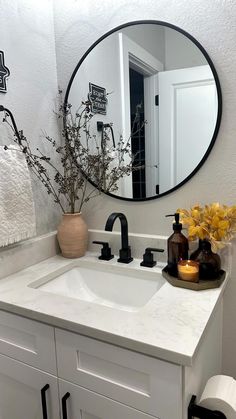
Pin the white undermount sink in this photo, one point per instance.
(122, 287)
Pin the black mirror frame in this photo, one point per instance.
(219, 97)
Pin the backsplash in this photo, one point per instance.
(30, 252)
(27, 253)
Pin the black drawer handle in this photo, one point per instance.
(44, 401)
(64, 407)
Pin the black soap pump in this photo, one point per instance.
(177, 246)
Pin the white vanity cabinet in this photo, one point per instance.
(28, 341)
(89, 379)
(28, 382)
(146, 384)
(24, 391)
(80, 403)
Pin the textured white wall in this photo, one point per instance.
(27, 39)
(79, 23)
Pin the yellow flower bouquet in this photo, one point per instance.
(213, 222)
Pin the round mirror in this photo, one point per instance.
(155, 105)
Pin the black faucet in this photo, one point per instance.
(125, 251)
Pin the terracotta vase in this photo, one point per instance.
(72, 235)
(209, 262)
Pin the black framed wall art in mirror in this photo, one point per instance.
(155, 88)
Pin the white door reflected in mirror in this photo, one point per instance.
(188, 111)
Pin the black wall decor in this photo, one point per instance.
(4, 73)
(98, 97)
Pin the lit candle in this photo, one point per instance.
(188, 270)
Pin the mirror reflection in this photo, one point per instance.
(151, 86)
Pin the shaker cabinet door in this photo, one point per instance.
(26, 393)
(141, 382)
(80, 403)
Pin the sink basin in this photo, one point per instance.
(122, 288)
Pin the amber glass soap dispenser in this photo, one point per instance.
(177, 246)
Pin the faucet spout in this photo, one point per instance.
(124, 227)
(125, 251)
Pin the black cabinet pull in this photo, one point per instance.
(44, 401)
(63, 404)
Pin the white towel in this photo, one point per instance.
(17, 212)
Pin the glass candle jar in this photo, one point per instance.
(188, 270)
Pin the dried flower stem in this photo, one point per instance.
(81, 157)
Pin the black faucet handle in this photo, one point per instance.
(148, 257)
(105, 251)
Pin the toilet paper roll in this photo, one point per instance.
(220, 394)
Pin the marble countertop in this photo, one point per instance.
(170, 326)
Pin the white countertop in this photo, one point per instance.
(170, 326)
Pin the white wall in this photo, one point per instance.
(27, 39)
(145, 36)
(212, 22)
(181, 52)
(172, 48)
(106, 73)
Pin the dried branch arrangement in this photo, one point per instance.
(82, 156)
